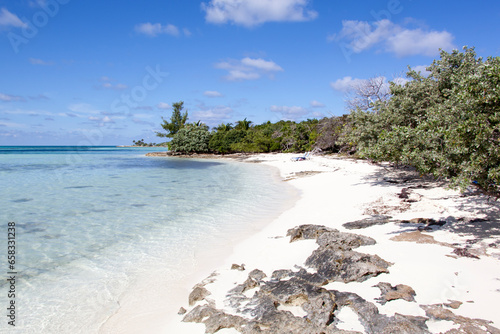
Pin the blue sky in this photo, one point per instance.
(76, 72)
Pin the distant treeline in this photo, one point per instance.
(444, 123)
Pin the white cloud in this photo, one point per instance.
(212, 93)
(212, 115)
(249, 68)
(400, 81)
(83, 108)
(143, 115)
(390, 37)
(101, 120)
(28, 112)
(346, 84)
(268, 66)
(237, 75)
(38, 3)
(170, 29)
(250, 13)
(8, 19)
(163, 105)
(107, 83)
(35, 61)
(422, 69)
(155, 29)
(12, 125)
(316, 104)
(414, 42)
(119, 86)
(11, 98)
(290, 113)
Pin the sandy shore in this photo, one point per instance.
(457, 264)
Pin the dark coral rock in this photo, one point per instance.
(346, 266)
(307, 231)
(198, 293)
(344, 241)
(376, 323)
(367, 222)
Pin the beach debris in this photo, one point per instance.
(199, 293)
(409, 196)
(240, 267)
(405, 193)
(383, 206)
(464, 252)
(467, 325)
(425, 224)
(400, 291)
(367, 222)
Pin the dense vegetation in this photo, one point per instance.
(446, 124)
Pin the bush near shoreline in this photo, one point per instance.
(445, 124)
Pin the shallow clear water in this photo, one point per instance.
(92, 220)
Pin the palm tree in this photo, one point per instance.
(224, 127)
(243, 125)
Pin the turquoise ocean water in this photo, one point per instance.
(90, 221)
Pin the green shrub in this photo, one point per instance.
(191, 138)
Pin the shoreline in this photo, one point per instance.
(146, 308)
(336, 191)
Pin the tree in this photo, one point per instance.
(329, 134)
(192, 138)
(243, 125)
(224, 127)
(177, 121)
(446, 124)
(365, 93)
(221, 141)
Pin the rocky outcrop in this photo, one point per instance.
(272, 307)
(334, 260)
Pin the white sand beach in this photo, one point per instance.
(457, 264)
